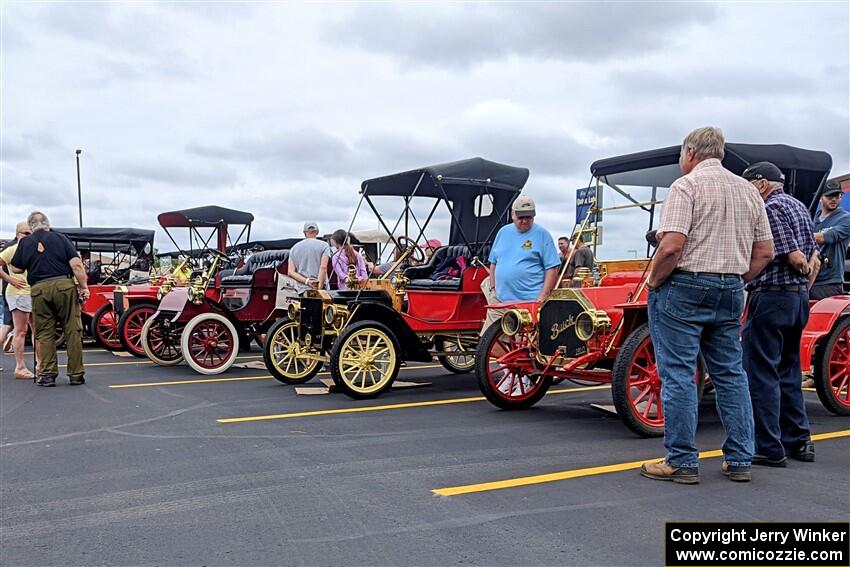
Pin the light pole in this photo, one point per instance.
(79, 191)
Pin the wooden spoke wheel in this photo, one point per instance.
(130, 327)
(161, 340)
(104, 328)
(210, 343)
(505, 370)
(365, 360)
(636, 385)
(832, 369)
(284, 355)
(460, 363)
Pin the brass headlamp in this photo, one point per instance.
(293, 311)
(516, 321)
(590, 323)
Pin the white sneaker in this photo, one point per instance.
(526, 386)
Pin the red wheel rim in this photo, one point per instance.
(107, 329)
(838, 379)
(133, 328)
(211, 344)
(508, 363)
(644, 386)
(165, 344)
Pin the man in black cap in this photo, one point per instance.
(777, 312)
(832, 233)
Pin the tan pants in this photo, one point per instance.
(54, 303)
(493, 315)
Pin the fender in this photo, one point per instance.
(410, 345)
(174, 302)
(530, 306)
(822, 318)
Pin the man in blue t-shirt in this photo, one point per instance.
(523, 261)
(832, 233)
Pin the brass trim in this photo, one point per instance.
(515, 321)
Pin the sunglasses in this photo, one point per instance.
(835, 196)
(25, 233)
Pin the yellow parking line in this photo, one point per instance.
(140, 361)
(591, 471)
(207, 380)
(200, 381)
(362, 409)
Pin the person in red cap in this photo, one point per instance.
(429, 247)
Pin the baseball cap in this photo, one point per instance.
(433, 244)
(310, 225)
(763, 170)
(832, 187)
(524, 206)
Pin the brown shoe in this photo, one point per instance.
(736, 473)
(664, 471)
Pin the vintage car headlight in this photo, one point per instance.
(190, 293)
(330, 315)
(590, 323)
(516, 320)
(292, 311)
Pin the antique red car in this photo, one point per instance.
(208, 228)
(411, 313)
(598, 331)
(210, 322)
(113, 257)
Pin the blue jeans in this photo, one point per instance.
(689, 314)
(771, 341)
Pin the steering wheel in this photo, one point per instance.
(222, 256)
(413, 249)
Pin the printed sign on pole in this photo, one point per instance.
(585, 200)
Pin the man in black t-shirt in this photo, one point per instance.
(51, 262)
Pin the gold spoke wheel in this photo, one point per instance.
(364, 360)
(285, 356)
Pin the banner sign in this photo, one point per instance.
(585, 200)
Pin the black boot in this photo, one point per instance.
(46, 381)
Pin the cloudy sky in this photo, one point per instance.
(282, 109)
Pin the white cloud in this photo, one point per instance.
(283, 108)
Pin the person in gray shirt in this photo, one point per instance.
(308, 260)
(582, 257)
(832, 234)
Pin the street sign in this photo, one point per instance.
(585, 200)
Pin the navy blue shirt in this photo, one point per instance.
(836, 235)
(792, 230)
(44, 255)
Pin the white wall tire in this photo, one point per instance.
(210, 343)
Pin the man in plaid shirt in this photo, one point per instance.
(714, 236)
(777, 312)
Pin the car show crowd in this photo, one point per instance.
(737, 262)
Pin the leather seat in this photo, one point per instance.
(244, 276)
(449, 284)
(420, 275)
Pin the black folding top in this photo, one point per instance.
(280, 244)
(457, 178)
(805, 171)
(100, 239)
(210, 215)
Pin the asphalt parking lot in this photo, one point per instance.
(162, 466)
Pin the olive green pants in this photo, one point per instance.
(55, 303)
